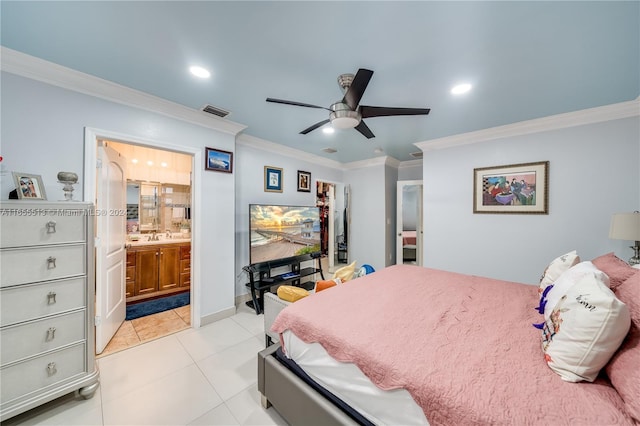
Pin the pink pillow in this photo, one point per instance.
(623, 369)
(617, 269)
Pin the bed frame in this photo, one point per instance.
(294, 400)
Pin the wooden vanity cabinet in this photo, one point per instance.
(185, 266)
(157, 270)
(169, 267)
(131, 273)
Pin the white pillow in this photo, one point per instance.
(584, 328)
(568, 278)
(557, 267)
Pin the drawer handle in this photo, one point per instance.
(51, 369)
(51, 227)
(51, 334)
(51, 298)
(51, 262)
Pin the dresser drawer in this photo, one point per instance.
(21, 266)
(31, 226)
(33, 301)
(43, 372)
(32, 338)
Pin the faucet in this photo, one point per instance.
(168, 234)
(153, 236)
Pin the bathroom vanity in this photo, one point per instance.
(157, 268)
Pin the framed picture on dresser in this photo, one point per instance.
(29, 186)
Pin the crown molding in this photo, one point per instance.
(24, 65)
(384, 160)
(265, 145)
(553, 122)
(410, 163)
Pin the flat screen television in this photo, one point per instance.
(278, 232)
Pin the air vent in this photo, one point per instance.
(416, 154)
(330, 150)
(215, 111)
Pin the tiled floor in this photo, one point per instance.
(191, 377)
(142, 330)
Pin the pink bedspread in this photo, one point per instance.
(463, 346)
(408, 238)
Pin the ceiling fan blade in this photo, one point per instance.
(282, 101)
(364, 129)
(374, 111)
(357, 88)
(315, 126)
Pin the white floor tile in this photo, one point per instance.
(246, 407)
(212, 338)
(219, 416)
(176, 399)
(69, 410)
(128, 370)
(253, 323)
(234, 369)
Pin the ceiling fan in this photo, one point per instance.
(348, 113)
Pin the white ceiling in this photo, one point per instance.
(524, 59)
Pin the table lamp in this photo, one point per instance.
(626, 226)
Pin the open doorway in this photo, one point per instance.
(156, 240)
(409, 241)
(333, 200)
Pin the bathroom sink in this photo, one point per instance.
(144, 242)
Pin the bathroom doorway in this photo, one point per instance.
(169, 234)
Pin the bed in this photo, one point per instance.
(413, 345)
(409, 245)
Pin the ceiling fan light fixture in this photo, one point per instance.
(328, 130)
(461, 88)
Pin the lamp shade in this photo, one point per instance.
(625, 226)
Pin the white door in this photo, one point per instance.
(110, 245)
(409, 222)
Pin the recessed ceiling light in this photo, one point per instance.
(328, 130)
(461, 88)
(149, 163)
(163, 164)
(199, 72)
(134, 161)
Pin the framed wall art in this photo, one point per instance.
(29, 186)
(272, 179)
(516, 188)
(218, 160)
(304, 181)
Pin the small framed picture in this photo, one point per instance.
(304, 181)
(29, 187)
(515, 188)
(218, 160)
(272, 179)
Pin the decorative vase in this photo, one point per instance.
(68, 179)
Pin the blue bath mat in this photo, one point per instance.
(157, 305)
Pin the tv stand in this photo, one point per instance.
(262, 276)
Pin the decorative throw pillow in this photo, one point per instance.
(557, 267)
(345, 273)
(291, 293)
(323, 285)
(554, 292)
(584, 328)
(617, 269)
(624, 368)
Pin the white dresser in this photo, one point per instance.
(47, 346)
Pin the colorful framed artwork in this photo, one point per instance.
(29, 187)
(516, 188)
(272, 179)
(218, 160)
(304, 181)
